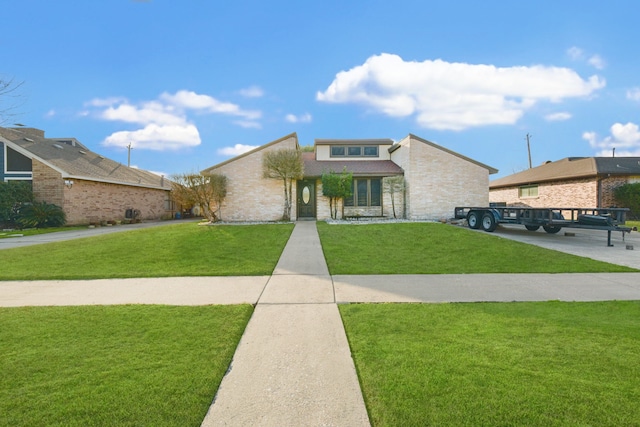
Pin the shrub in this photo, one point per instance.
(628, 196)
(41, 215)
(13, 194)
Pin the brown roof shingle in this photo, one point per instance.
(315, 168)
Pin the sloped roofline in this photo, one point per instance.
(446, 150)
(66, 175)
(560, 170)
(248, 153)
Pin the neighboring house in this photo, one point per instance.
(436, 180)
(581, 182)
(88, 187)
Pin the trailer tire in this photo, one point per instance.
(473, 219)
(532, 227)
(489, 222)
(551, 229)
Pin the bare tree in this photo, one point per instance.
(8, 91)
(393, 185)
(207, 191)
(285, 164)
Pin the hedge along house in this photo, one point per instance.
(580, 182)
(436, 180)
(88, 187)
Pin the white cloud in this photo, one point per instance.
(303, 118)
(164, 122)
(248, 124)
(575, 53)
(236, 150)
(558, 117)
(624, 138)
(252, 92)
(156, 137)
(597, 62)
(194, 101)
(634, 94)
(454, 96)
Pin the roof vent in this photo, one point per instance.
(58, 146)
(82, 152)
(28, 139)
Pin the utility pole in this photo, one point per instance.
(529, 149)
(129, 148)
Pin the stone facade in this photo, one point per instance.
(438, 180)
(250, 196)
(87, 202)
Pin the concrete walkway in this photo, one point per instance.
(293, 365)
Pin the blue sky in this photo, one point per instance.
(191, 83)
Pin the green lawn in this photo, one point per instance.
(36, 231)
(114, 365)
(496, 364)
(434, 248)
(171, 250)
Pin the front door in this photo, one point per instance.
(306, 199)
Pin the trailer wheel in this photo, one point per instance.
(489, 222)
(473, 219)
(532, 227)
(551, 229)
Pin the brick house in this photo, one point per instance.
(436, 180)
(582, 182)
(90, 188)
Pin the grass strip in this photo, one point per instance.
(434, 248)
(167, 251)
(488, 364)
(114, 365)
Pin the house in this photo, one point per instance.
(436, 180)
(87, 186)
(582, 182)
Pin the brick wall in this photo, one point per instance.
(48, 185)
(579, 193)
(88, 201)
(437, 181)
(250, 197)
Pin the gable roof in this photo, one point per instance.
(446, 150)
(248, 153)
(315, 168)
(73, 160)
(571, 168)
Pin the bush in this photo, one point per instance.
(41, 215)
(13, 194)
(628, 196)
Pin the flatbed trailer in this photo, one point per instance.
(552, 220)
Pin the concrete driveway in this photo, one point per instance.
(582, 242)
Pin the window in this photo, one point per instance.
(371, 151)
(16, 162)
(366, 192)
(338, 151)
(528, 191)
(354, 151)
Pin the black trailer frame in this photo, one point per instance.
(552, 220)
